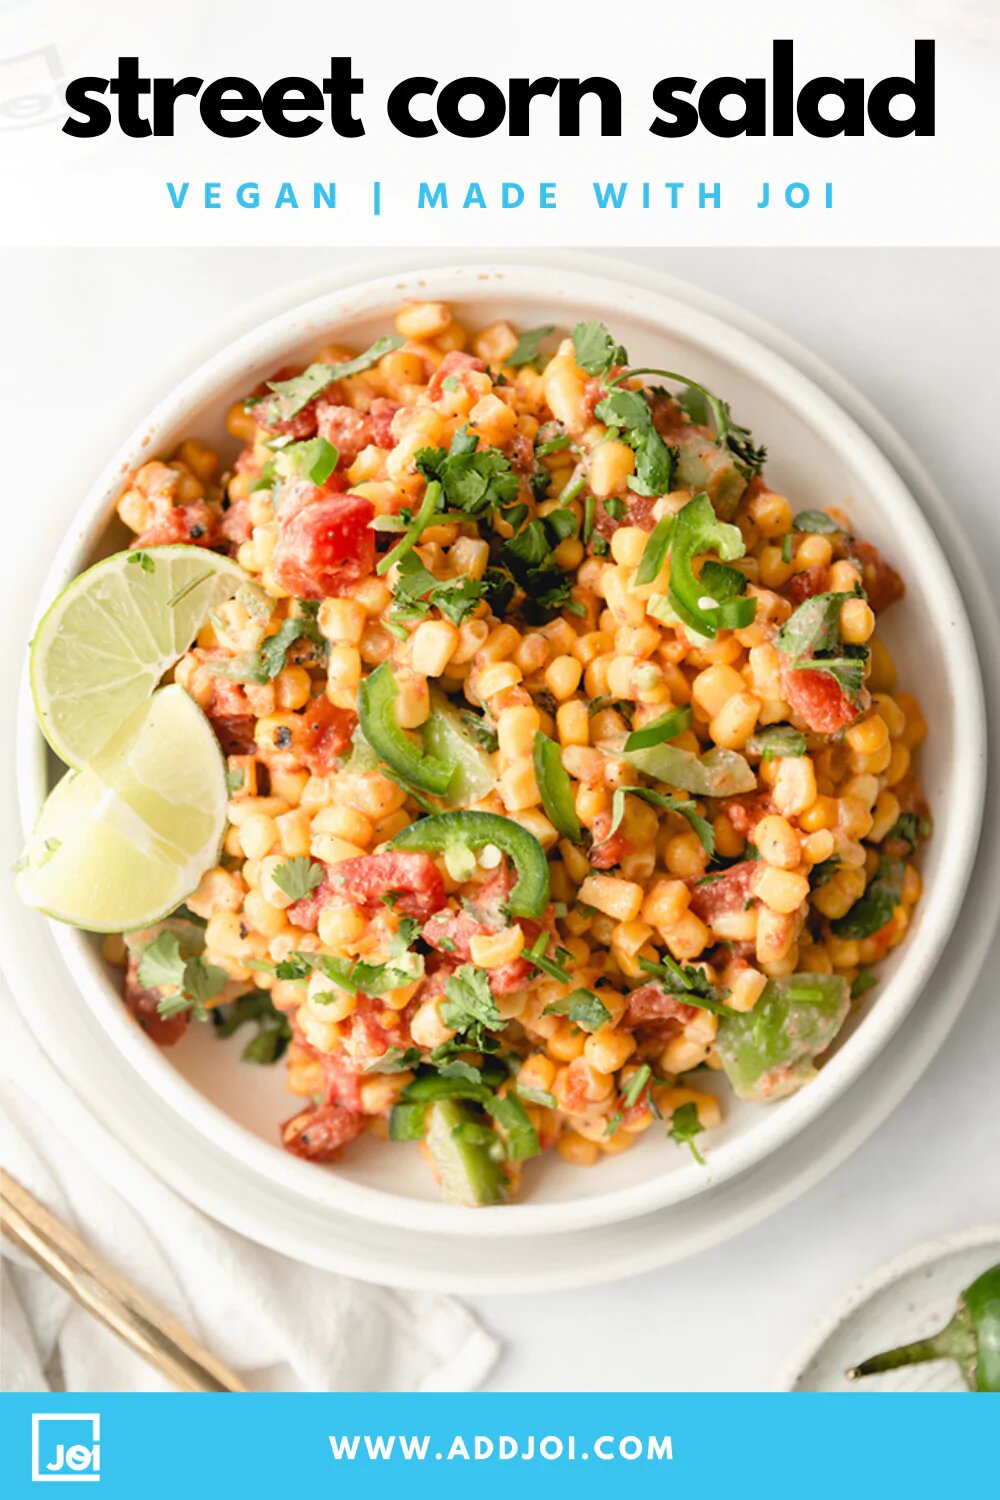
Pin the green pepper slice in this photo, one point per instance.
(770, 1051)
(698, 529)
(380, 727)
(554, 786)
(456, 831)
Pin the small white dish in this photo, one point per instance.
(821, 456)
(909, 1298)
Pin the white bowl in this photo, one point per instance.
(820, 456)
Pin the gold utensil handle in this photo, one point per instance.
(107, 1294)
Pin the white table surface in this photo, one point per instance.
(90, 336)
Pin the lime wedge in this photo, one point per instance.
(123, 842)
(103, 646)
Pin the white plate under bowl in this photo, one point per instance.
(909, 1298)
(820, 456)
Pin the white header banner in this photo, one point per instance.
(212, 122)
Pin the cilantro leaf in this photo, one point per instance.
(701, 406)
(684, 806)
(163, 965)
(817, 521)
(813, 627)
(395, 1060)
(468, 1004)
(655, 462)
(633, 1089)
(143, 560)
(584, 1009)
(529, 346)
(684, 1126)
(877, 906)
(299, 876)
(269, 660)
(289, 397)
(273, 1029)
(474, 480)
(595, 350)
(689, 982)
(454, 597)
(365, 978)
(909, 828)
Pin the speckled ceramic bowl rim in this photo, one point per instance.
(867, 1287)
(541, 277)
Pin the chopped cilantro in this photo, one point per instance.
(288, 397)
(529, 346)
(473, 479)
(299, 876)
(595, 350)
(815, 520)
(143, 560)
(877, 906)
(682, 805)
(584, 1009)
(163, 965)
(468, 1005)
(273, 1029)
(633, 1089)
(684, 1126)
(655, 462)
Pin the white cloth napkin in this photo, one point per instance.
(280, 1325)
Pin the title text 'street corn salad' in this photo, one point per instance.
(566, 769)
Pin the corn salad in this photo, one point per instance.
(561, 751)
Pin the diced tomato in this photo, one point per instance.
(728, 892)
(236, 525)
(414, 879)
(804, 585)
(319, 1132)
(450, 932)
(608, 849)
(883, 584)
(324, 735)
(382, 412)
(365, 1040)
(324, 546)
(143, 1005)
(195, 523)
(817, 698)
(638, 512)
(454, 363)
(746, 811)
(228, 710)
(653, 1004)
(339, 1079)
(348, 429)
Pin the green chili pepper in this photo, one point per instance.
(972, 1338)
(667, 727)
(554, 786)
(380, 727)
(453, 832)
(707, 604)
(771, 1050)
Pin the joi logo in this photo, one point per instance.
(65, 1445)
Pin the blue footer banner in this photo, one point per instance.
(532, 1445)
